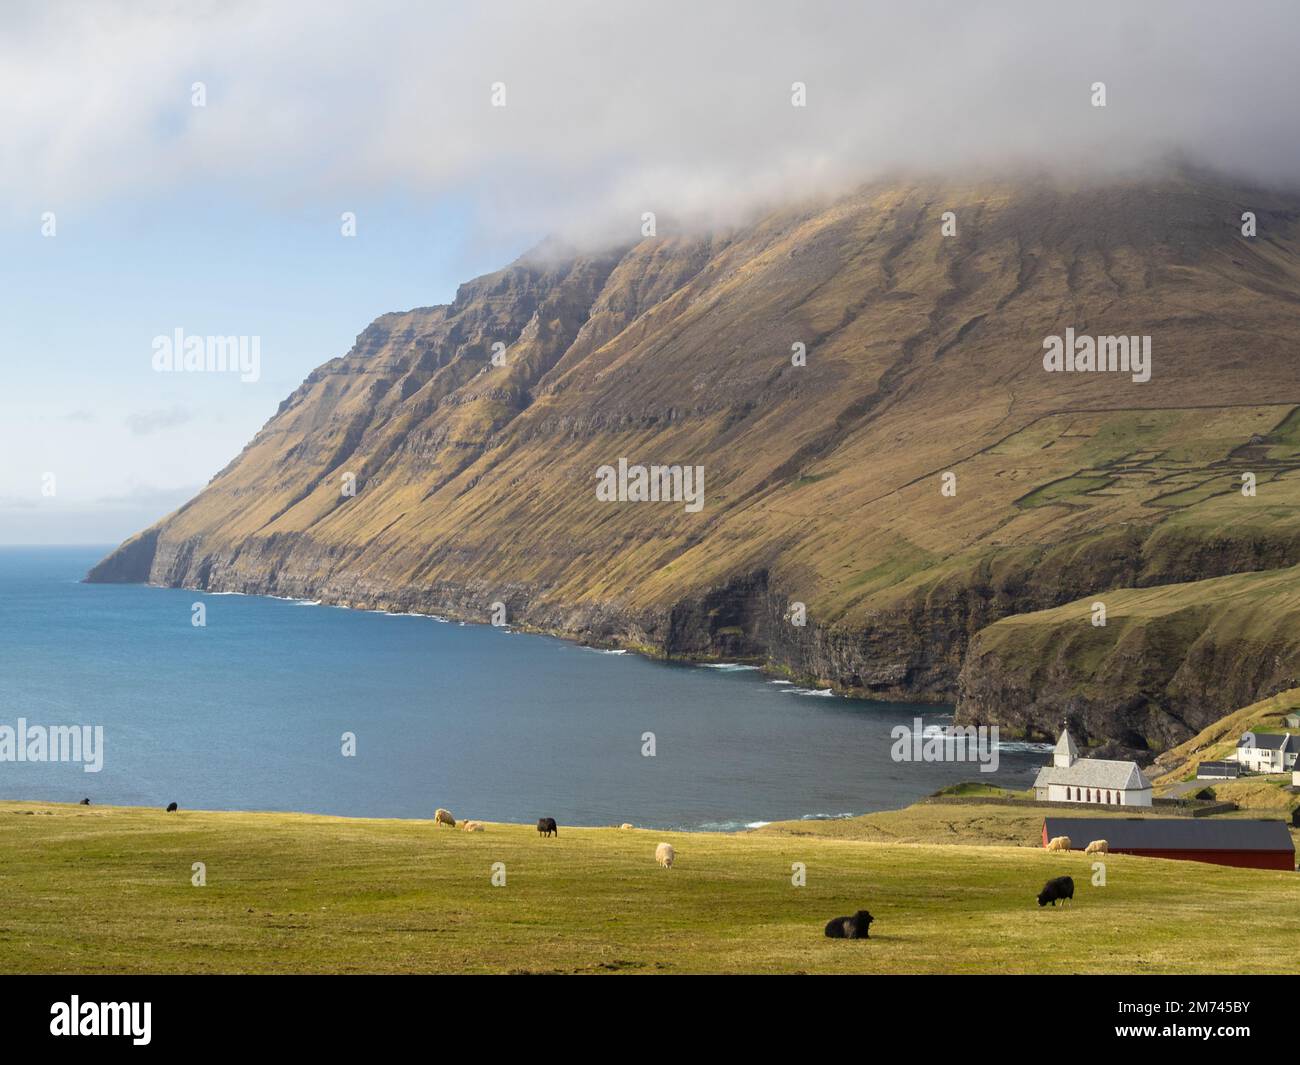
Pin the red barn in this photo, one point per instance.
(1220, 841)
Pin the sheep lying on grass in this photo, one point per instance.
(855, 927)
(443, 817)
(665, 855)
(471, 826)
(625, 826)
(1097, 846)
(1058, 843)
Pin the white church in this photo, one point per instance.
(1097, 780)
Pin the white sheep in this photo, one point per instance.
(625, 826)
(1059, 843)
(443, 817)
(1097, 846)
(664, 855)
(471, 826)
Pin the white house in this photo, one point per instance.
(1097, 780)
(1267, 752)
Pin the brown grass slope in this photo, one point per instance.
(476, 483)
(1165, 654)
(1217, 741)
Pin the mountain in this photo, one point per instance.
(824, 483)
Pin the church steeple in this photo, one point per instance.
(1066, 753)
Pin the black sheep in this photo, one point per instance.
(85, 802)
(546, 826)
(171, 807)
(1060, 888)
(855, 927)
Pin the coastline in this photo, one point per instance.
(455, 615)
(753, 699)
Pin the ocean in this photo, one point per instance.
(250, 712)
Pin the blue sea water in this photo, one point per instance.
(248, 713)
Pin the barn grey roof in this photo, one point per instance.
(1174, 833)
(1268, 741)
(1094, 773)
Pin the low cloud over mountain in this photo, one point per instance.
(610, 111)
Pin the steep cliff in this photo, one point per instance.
(824, 483)
(1168, 662)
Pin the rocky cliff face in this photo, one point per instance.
(1169, 661)
(920, 481)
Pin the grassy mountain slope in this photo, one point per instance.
(476, 483)
(1215, 742)
(1165, 654)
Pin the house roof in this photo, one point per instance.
(1267, 741)
(1065, 745)
(1231, 767)
(1094, 773)
(1175, 833)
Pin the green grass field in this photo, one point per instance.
(108, 889)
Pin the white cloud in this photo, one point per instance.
(618, 108)
(144, 422)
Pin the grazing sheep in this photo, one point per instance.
(665, 855)
(443, 817)
(625, 825)
(1097, 846)
(471, 826)
(1058, 843)
(85, 802)
(171, 807)
(546, 826)
(855, 927)
(1061, 888)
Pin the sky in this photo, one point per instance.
(126, 211)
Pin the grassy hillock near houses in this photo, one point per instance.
(1218, 741)
(110, 889)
